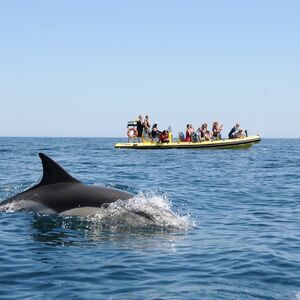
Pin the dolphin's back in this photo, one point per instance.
(65, 196)
(58, 191)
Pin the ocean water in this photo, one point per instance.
(226, 224)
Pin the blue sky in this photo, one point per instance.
(84, 68)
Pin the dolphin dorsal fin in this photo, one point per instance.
(53, 173)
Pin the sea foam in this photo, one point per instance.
(144, 209)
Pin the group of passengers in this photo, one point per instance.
(144, 130)
(203, 134)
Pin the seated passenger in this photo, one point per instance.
(181, 136)
(239, 134)
(205, 133)
(164, 137)
(195, 137)
(216, 130)
(155, 132)
(233, 130)
(189, 133)
(199, 134)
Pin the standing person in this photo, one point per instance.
(147, 126)
(233, 130)
(216, 130)
(140, 127)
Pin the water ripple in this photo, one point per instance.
(241, 209)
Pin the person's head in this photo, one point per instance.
(140, 117)
(147, 117)
(237, 125)
(188, 126)
(241, 130)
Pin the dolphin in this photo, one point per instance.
(60, 193)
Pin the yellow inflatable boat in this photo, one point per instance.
(241, 143)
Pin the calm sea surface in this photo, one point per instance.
(227, 224)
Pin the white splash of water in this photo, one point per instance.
(9, 207)
(143, 210)
(297, 295)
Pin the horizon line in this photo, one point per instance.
(110, 137)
